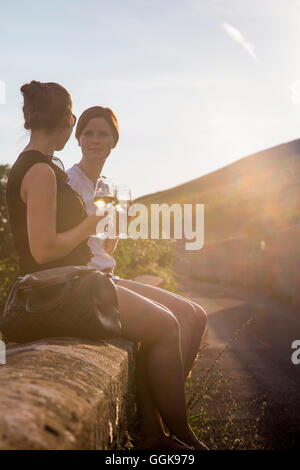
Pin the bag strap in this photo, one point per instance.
(53, 276)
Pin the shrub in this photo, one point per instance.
(137, 257)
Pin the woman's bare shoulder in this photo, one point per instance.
(39, 175)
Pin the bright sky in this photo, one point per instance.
(195, 84)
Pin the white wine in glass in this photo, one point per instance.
(104, 198)
(104, 192)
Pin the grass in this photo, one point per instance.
(216, 417)
(137, 257)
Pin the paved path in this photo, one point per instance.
(260, 357)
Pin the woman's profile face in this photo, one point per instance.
(65, 131)
(96, 139)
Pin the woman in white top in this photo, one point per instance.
(160, 395)
(84, 186)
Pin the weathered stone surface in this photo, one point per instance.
(67, 393)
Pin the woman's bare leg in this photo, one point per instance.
(158, 331)
(192, 321)
(191, 317)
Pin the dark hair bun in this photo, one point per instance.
(31, 89)
(44, 104)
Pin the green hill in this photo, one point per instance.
(251, 197)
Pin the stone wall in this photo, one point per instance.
(67, 393)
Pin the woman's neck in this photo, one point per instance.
(42, 142)
(91, 169)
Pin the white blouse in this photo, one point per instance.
(85, 188)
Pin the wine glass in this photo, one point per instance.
(123, 200)
(123, 197)
(104, 192)
(104, 198)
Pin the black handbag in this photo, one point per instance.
(67, 301)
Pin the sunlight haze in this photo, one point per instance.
(195, 85)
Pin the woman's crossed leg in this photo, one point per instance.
(160, 373)
(191, 317)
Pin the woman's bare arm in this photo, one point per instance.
(46, 245)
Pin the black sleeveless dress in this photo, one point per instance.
(70, 212)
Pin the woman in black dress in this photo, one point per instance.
(51, 228)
